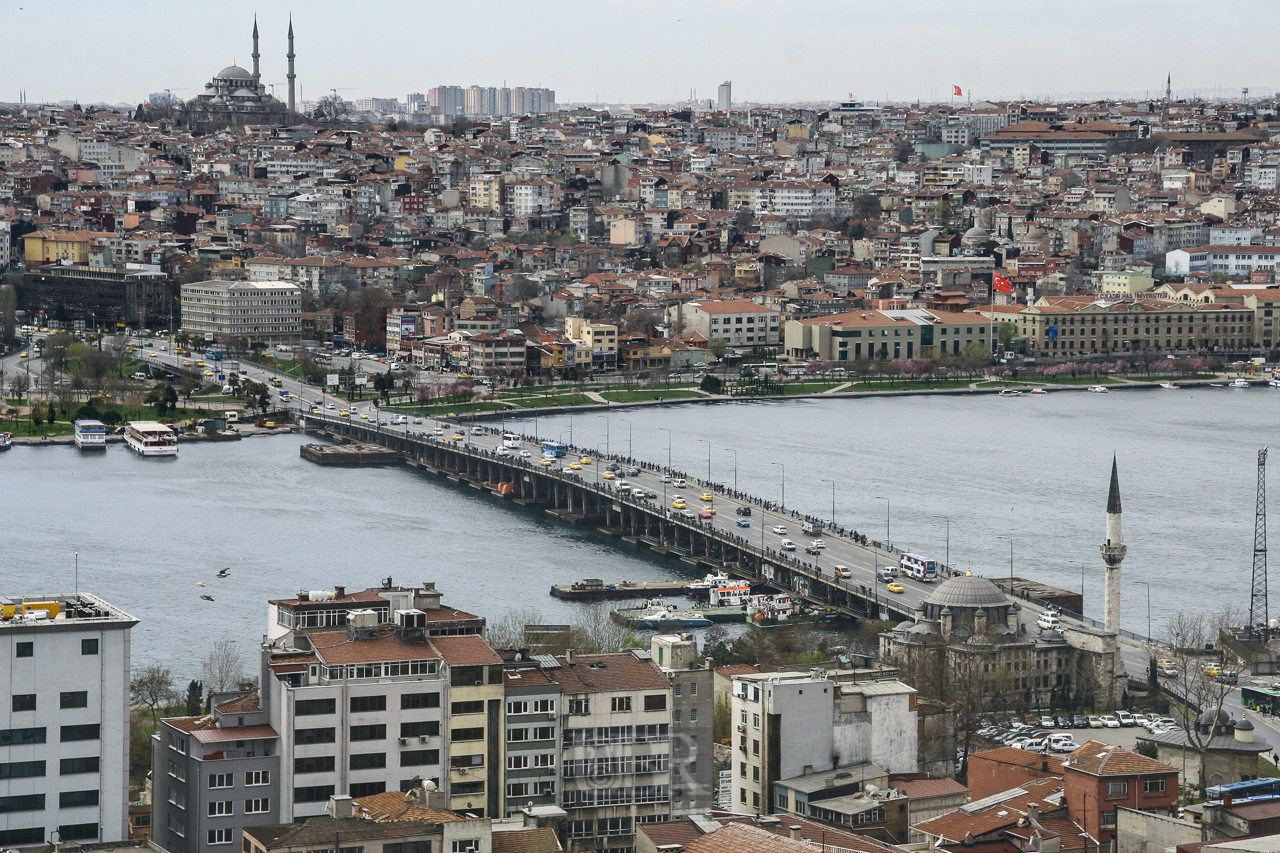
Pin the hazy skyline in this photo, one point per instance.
(658, 51)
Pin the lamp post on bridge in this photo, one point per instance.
(735, 467)
(833, 500)
(628, 423)
(948, 521)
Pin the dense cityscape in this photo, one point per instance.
(408, 282)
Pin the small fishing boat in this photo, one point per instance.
(1038, 391)
(1098, 389)
(6, 440)
(1010, 392)
(1169, 385)
(1240, 383)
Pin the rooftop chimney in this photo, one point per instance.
(340, 806)
(795, 832)
(339, 591)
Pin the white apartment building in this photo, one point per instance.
(616, 761)
(789, 724)
(743, 324)
(64, 721)
(531, 198)
(266, 311)
(1232, 260)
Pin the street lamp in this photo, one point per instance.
(783, 465)
(735, 467)
(606, 434)
(1011, 541)
(1148, 586)
(708, 444)
(886, 519)
(1081, 563)
(628, 423)
(668, 432)
(948, 521)
(833, 500)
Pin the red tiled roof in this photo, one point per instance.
(466, 650)
(1101, 759)
(602, 673)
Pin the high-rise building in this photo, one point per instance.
(64, 724)
(413, 99)
(725, 96)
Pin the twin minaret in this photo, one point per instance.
(257, 76)
(1113, 552)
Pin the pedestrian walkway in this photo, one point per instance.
(838, 388)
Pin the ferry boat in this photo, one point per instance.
(730, 596)
(702, 589)
(1098, 389)
(6, 440)
(91, 435)
(669, 617)
(777, 607)
(1240, 383)
(149, 438)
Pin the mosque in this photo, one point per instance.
(237, 96)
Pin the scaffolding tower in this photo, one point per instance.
(1258, 615)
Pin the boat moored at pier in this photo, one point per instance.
(151, 438)
(90, 434)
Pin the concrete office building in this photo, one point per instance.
(252, 311)
(64, 722)
(692, 735)
(724, 97)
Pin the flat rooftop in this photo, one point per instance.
(47, 610)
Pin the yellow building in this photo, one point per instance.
(48, 247)
(485, 192)
(477, 741)
(1125, 282)
(599, 340)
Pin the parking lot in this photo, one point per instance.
(1125, 736)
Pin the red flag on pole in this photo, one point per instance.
(851, 96)
(957, 91)
(1000, 283)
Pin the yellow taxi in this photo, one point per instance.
(894, 586)
(344, 413)
(208, 373)
(201, 364)
(586, 460)
(710, 510)
(575, 467)
(1213, 670)
(22, 354)
(609, 475)
(464, 375)
(364, 415)
(678, 504)
(547, 463)
(315, 410)
(186, 364)
(705, 496)
(130, 350)
(459, 437)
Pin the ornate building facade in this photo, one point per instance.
(237, 95)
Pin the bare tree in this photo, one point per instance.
(1188, 635)
(223, 667)
(153, 687)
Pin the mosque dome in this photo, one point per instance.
(234, 72)
(967, 591)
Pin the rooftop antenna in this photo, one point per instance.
(1258, 599)
(77, 572)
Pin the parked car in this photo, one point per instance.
(1125, 719)
(1064, 722)
(1095, 722)
(1047, 722)
(1079, 722)
(1110, 721)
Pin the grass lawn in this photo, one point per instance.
(648, 394)
(1059, 380)
(26, 427)
(1189, 376)
(450, 408)
(557, 400)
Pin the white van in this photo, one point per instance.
(1049, 622)
(679, 483)
(232, 417)
(787, 545)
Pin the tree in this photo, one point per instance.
(942, 213)
(329, 108)
(37, 417)
(188, 385)
(717, 347)
(223, 667)
(195, 697)
(1006, 333)
(153, 687)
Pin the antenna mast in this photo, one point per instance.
(1258, 616)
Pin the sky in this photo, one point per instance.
(648, 51)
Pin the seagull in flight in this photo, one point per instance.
(222, 573)
(199, 583)
(207, 597)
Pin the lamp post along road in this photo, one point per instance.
(668, 432)
(708, 444)
(735, 467)
(833, 500)
(628, 423)
(782, 465)
(948, 521)
(886, 521)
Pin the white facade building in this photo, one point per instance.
(741, 323)
(64, 722)
(267, 311)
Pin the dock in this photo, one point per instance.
(595, 590)
(349, 454)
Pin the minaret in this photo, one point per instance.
(1113, 554)
(1168, 88)
(256, 75)
(291, 74)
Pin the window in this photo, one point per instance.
(89, 646)
(517, 735)
(34, 835)
(655, 702)
(364, 704)
(693, 688)
(517, 762)
(474, 733)
(221, 780)
(579, 706)
(317, 764)
(73, 799)
(368, 761)
(467, 788)
(1107, 820)
(177, 771)
(14, 737)
(374, 732)
(512, 707)
(1117, 787)
(476, 707)
(24, 701)
(72, 766)
(257, 777)
(422, 728)
(85, 732)
(307, 736)
(407, 847)
(676, 716)
(620, 703)
(73, 699)
(364, 789)
(78, 831)
(257, 805)
(221, 808)
(693, 715)
(22, 769)
(22, 803)
(310, 707)
(313, 794)
(1153, 786)
(419, 757)
(25, 650)
(220, 836)
(464, 845)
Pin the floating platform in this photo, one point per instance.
(597, 591)
(349, 454)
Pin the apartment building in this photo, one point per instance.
(692, 735)
(263, 311)
(64, 721)
(792, 724)
(600, 339)
(616, 757)
(743, 324)
(533, 710)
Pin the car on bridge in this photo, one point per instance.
(780, 529)
(894, 586)
(678, 504)
(742, 522)
(843, 572)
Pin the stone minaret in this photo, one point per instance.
(1113, 554)
(257, 76)
(291, 74)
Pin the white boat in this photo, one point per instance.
(1098, 389)
(775, 607)
(6, 440)
(149, 438)
(730, 596)
(668, 618)
(1274, 382)
(91, 435)
(1038, 391)
(1169, 385)
(1010, 392)
(1240, 383)
(702, 588)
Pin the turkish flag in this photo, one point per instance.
(957, 91)
(1000, 283)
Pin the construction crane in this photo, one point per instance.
(1258, 615)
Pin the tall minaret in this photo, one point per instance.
(256, 75)
(1168, 88)
(1113, 554)
(291, 74)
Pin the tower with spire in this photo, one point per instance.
(257, 76)
(1113, 551)
(291, 74)
(1168, 88)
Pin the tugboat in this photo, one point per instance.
(666, 616)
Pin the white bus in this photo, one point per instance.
(920, 568)
(511, 440)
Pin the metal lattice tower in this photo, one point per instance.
(1258, 615)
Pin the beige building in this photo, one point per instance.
(869, 334)
(254, 311)
(600, 339)
(485, 192)
(743, 324)
(1125, 282)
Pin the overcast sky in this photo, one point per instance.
(650, 50)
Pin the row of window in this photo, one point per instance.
(68, 699)
(322, 793)
(252, 778)
(35, 802)
(624, 765)
(67, 734)
(27, 649)
(365, 761)
(36, 834)
(518, 735)
(616, 734)
(226, 808)
(34, 769)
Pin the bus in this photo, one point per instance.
(511, 440)
(555, 448)
(1260, 699)
(920, 568)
